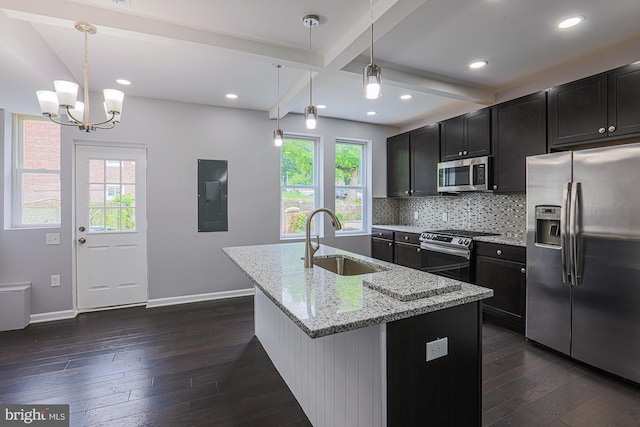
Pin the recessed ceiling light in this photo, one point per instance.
(405, 97)
(321, 106)
(123, 82)
(570, 22)
(478, 64)
(231, 96)
(371, 113)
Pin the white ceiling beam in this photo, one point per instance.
(432, 85)
(66, 13)
(386, 15)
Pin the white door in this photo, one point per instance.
(111, 226)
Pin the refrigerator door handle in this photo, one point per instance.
(565, 247)
(576, 245)
(572, 235)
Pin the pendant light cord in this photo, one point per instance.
(310, 79)
(371, 10)
(278, 121)
(86, 78)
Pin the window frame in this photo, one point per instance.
(364, 179)
(316, 187)
(18, 170)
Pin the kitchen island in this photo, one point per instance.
(353, 349)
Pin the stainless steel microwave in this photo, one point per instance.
(471, 174)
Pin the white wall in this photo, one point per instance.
(182, 261)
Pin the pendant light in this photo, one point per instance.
(372, 73)
(278, 134)
(66, 93)
(310, 112)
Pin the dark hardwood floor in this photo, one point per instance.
(199, 364)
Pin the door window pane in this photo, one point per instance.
(112, 195)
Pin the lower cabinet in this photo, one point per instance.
(407, 250)
(382, 244)
(503, 269)
(445, 391)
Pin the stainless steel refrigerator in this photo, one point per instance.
(583, 256)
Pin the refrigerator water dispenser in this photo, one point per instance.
(548, 225)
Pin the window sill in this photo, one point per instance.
(34, 227)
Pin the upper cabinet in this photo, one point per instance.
(519, 129)
(412, 160)
(601, 107)
(468, 135)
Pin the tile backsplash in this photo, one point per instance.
(505, 214)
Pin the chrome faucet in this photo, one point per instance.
(310, 249)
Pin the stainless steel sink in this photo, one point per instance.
(343, 266)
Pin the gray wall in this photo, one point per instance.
(182, 261)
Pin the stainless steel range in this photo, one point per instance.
(449, 252)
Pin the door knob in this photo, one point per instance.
(499, 252)
(612, 128)
(81, 228)
(82, 240)
(602, 130)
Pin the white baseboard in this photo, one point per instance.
(54, 315)
(161, 302)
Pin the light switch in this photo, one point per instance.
(52, 239)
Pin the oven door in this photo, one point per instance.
(444, 261)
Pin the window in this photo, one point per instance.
(351, 186)
(36, 191)
(299, 187)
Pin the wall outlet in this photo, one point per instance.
(415, 214)
(55, 280)
(445, 216)
(437, 348)
(52, 239)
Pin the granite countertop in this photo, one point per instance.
(513, 239)
(323, 303)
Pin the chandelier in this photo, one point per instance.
(67, 92)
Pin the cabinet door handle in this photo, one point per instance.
(380, 234)
(418, 249)
(464, 152)
(602, 130)
(406, 237)
(413, 191)
(523, 270)
(612, 128)
(459, 153)
(390, 244)
(499, 252)
(406, 192)
(495, 187)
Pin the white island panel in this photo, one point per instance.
(337, 379)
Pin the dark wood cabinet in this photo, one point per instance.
(407, 250)
(503, 269)
(441, 392)
(398, 162)
(425, 155)
(464, 136)
(518, 130)
(382, 245)
(598, 108)
(624, 101)
(412, 160)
